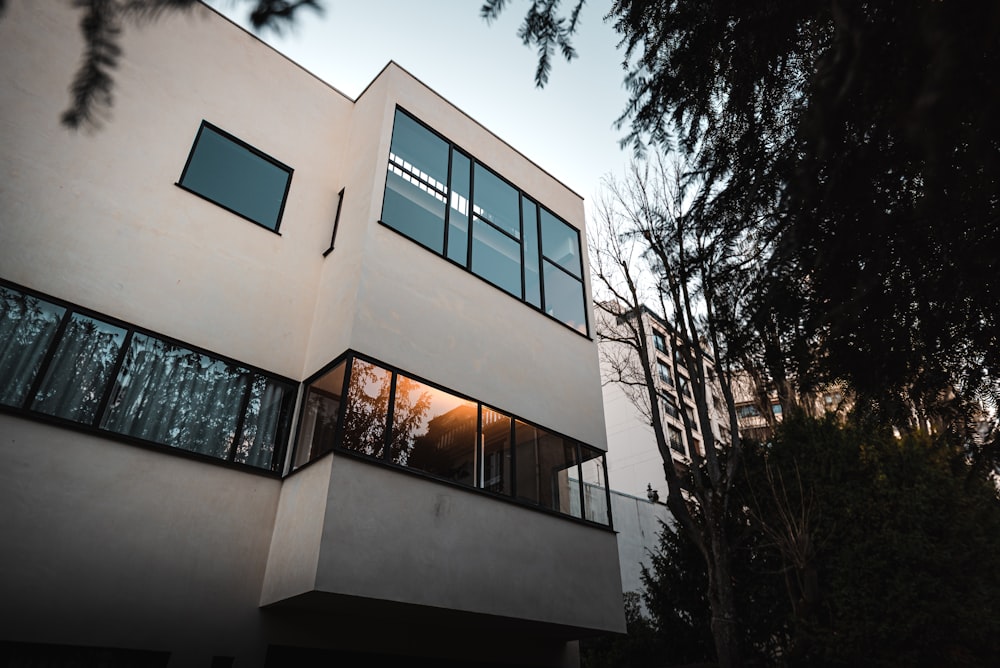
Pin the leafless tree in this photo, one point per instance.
(650, 250)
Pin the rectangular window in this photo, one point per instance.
(438, 196)
(664, 372)
(660, 342)
(685, 385)
(392, 417)
(675, 440)
(237, 177)
(59, 362)
(747, 411)
(691, 418)
(670, 407)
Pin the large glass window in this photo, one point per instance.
(59, 362)
(320, 413)
(394, 418)
(236, 176)
(437, 195)
(547, 471)
(434, 431)
(27, 327)
(368, 395)
(495, 475)
(415, 192)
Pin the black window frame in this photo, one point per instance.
(523, 196)
(94, 427)
(250, 149)
(384, 459)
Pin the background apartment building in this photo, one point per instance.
(635, 465)
(285, 377)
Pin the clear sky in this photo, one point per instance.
(567, 127)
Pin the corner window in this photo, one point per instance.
(458, 208)
(360, 406)
(237, 177)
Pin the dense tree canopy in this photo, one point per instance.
(860, 138)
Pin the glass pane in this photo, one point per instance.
(564, 297)
(419, 151)
(546, 469)
(458, 216)
(434, 431)
(413, 208)
(237, 178)
(80, 370)
(168, 394)
(595, 497)
(497, 258)
(674, 438)
(265, 426)
(532, 280)
(496, 452)
(320, 410)
(496, 202)
(367, 409)
(561, 243)
(27, 325)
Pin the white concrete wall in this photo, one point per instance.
(638, 523)
(108, 544)
(412, 541)
(95, 217)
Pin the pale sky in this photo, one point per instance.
(567, 127)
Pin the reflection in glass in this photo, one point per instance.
(547, 472)
(232, 175)
(419, 151)
(564, 297)
(415, 190)
(433, 431)
(320, 410)
(532, 281)
(367, 409)
(267, 414)
(80, 370)
(561, 243)
(496, 452)
(174, 396)
(496, 202)
(458, 216)
(27, 325)
(413, 208)
(497, 258)
(595, 496)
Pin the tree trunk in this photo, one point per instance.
(722, 600)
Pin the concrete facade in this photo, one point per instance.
(112, 545)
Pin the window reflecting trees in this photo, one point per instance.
(391, 417)
(82, 369)
(516, 245)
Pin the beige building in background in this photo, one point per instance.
(287, 378)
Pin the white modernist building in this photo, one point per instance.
(286, 378)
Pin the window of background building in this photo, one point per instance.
(659, 342)
(457, 207)
(664, 372)
(237, 177)
(675, 440)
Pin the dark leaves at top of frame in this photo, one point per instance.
(101, 27)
